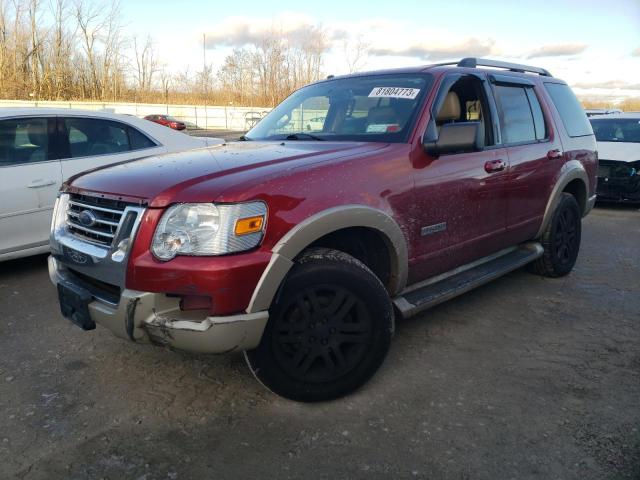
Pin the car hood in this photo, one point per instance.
(620, 151)
(159, 180)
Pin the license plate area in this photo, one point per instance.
(74, 305)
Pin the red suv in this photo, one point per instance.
(167, 121)
(303, 243)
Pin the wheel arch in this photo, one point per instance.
(320, 225)
(573, 179)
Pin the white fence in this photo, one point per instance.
(214, 117)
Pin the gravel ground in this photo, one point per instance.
(524, 378)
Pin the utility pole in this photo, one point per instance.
(204, 61)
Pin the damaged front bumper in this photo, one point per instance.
(619, 181)
(156, 318)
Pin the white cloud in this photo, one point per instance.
(470, 47)
(558, 50)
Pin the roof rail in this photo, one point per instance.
(472, 62)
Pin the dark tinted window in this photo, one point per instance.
(538, 117)
(571, 112)
(515, 114)
(91, 137)
(23, 140)
(617, 129)
(139, 141)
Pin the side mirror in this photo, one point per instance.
(455, 138)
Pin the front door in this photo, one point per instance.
(460, 199)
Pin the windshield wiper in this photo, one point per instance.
(302, 136)
(244, 138)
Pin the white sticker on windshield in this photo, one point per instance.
(394, 92)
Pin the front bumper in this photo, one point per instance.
(619, 181)
(156, 318)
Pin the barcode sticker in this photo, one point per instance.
(394, 92)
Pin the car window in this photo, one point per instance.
(466, 101)
(516, 114)
(617, 129)
(23, 140)
(139, 141)
(372, 108)
(538, 116)
(92, 137)
(571, 112)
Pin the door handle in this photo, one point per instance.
(494, 166)
(554, 154)
(41, 183)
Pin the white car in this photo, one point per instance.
(41, 147)
(618, 137)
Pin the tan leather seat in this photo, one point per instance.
(450, 109)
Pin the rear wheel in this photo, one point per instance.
(329, 329)
(561, 239)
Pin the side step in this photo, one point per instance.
(441, 288)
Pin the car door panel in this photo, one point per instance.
(460, 203)
(28, 190)
(460, 211)
(533, 162)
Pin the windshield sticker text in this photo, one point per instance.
(394, 92)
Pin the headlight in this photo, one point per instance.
(208, 229)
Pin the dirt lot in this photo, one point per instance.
(524, 378)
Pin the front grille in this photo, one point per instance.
(615, 169)
(94, 219)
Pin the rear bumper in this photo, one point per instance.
(156, 318)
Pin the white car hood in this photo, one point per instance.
(620, 151)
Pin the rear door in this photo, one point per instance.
(89, 143)
(30, 178)
(534, 149)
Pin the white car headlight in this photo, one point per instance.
(207, 229)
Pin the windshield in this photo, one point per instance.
(616, 129)
(375, 108)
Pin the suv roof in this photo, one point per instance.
(468, 63)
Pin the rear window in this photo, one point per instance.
(571, 112)
(616, 129)
(520, 114)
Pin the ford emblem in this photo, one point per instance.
(87, 218)
(77, 257)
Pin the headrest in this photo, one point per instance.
(37, 134)
(450, 109)
(381, 115)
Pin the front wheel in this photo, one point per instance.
(561, 239)
(329, 329)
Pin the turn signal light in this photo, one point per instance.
(245, 226)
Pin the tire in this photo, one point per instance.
(560, 239)
(329, 329)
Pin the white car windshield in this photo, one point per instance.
(616, 129)
(371, 108)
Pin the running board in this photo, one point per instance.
(441, 288)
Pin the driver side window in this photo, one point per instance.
(466, 101)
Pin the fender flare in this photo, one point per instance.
(570, 171)
(319, 225)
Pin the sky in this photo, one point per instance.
(592, 44)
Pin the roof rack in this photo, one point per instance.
(472, 62)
